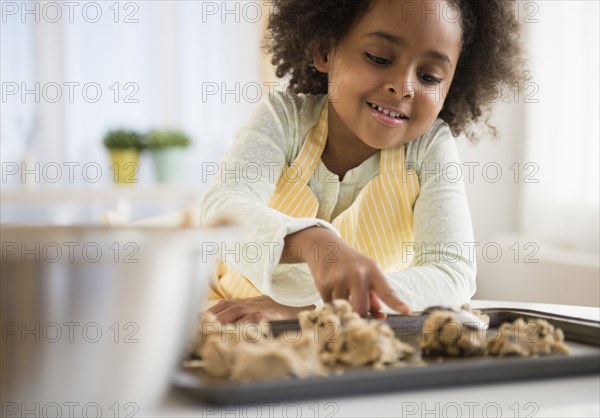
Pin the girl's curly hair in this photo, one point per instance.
(491, 59)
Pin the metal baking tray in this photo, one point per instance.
(582, 337)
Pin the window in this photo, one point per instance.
(562, 133)
(141, 64)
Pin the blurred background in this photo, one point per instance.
(73, 71)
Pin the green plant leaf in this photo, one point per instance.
(122, 139)
(157, 138)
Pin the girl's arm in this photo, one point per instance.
(242, 187)
(443, 269)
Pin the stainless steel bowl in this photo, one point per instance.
(98, 317)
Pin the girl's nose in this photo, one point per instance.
(406, 90)
(401, 84)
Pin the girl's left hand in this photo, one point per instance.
(264, 308)
(254, 309)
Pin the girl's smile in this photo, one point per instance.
(388, 79)
(388, 114)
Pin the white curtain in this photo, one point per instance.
(152, 64)
(561, 184)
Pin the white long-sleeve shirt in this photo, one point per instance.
(443, 269)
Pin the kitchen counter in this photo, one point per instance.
(561, 397)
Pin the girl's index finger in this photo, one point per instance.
(388, 295)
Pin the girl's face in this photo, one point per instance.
(400, 57)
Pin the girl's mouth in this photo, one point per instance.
(387, 116)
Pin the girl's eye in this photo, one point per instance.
(430, 79)
(377, 60)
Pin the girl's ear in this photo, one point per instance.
(322, 62)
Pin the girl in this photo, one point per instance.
(348, 184)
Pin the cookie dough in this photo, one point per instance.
(331, 339)
(444, 333)
(275, 360)
(217, 343)
(346, 339)
(521, 338)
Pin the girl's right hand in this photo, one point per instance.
(341, 272)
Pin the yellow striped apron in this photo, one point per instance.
(379, 223)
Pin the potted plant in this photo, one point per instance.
(167, 148)
(124, 148)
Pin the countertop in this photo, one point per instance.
(560, 397)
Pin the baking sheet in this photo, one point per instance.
(582, 336)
